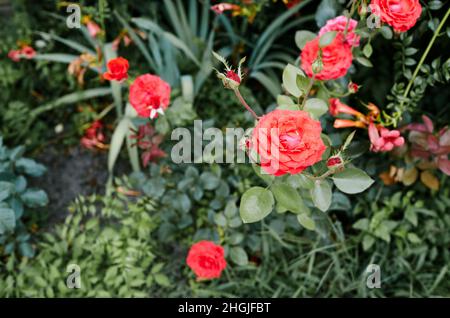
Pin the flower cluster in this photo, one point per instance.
(26, 52)
(149, 95)
(94, 137)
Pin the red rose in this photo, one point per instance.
(206, 259)
(339, 24)
(117, 69)
(336, 58)
(288, 141)
(149, 95)
(402, 15)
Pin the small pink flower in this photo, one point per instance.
(222, 7)
(339, 24)
(28, 52)
(383, 139)
(93, 29)
(14, 55)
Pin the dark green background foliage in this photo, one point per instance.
(133, 241)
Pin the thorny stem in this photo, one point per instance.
(416, 71)
(244, 103)
(322, 177)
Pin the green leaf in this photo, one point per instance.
(386, 32)
(302, 37)
(352, 180)
(30, 167)
(368, 241)
(413, 238)
(290, 74)
(322, 194)
(6, 189)
(316, 107)
(34, 198)
(239, 256)
(306, 221)
(256, 204)
(162, 280)
(117, 140)
(7, 220)
(367, 50)
(209, 180)
(289, 198)
(364, 61)
(327, 38)
(362, 224)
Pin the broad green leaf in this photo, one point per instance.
(6, 189)
(316, 107)
(289, 198)
(386, 32)
(30, 167)
(352, 180)
(322, 194)
(290, 74)
(368, 241)
(238, 255)
(302, 37)
(34, 198)
(306, 221)
(256, 204)
(362, 224)
(117, 140)
(364, 61)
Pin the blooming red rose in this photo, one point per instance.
(336, 58)
(339, 24)
(206, 259)
(149, 95)
(402, 15)
(117, 69)
(287, 141)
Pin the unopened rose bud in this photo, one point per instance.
(334, 162)
(317, 66)
(233, 76)
(362, 10)
(353, 88)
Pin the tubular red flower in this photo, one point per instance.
(337, 107)
(346, 123)
(206, 259)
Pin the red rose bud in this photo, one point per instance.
(233, 76)
(117, 69)
(334, 161)
(353, 88)
(206, 259)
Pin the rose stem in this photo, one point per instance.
(244, 103)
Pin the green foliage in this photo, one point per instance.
(109, 238)
(18, 202)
